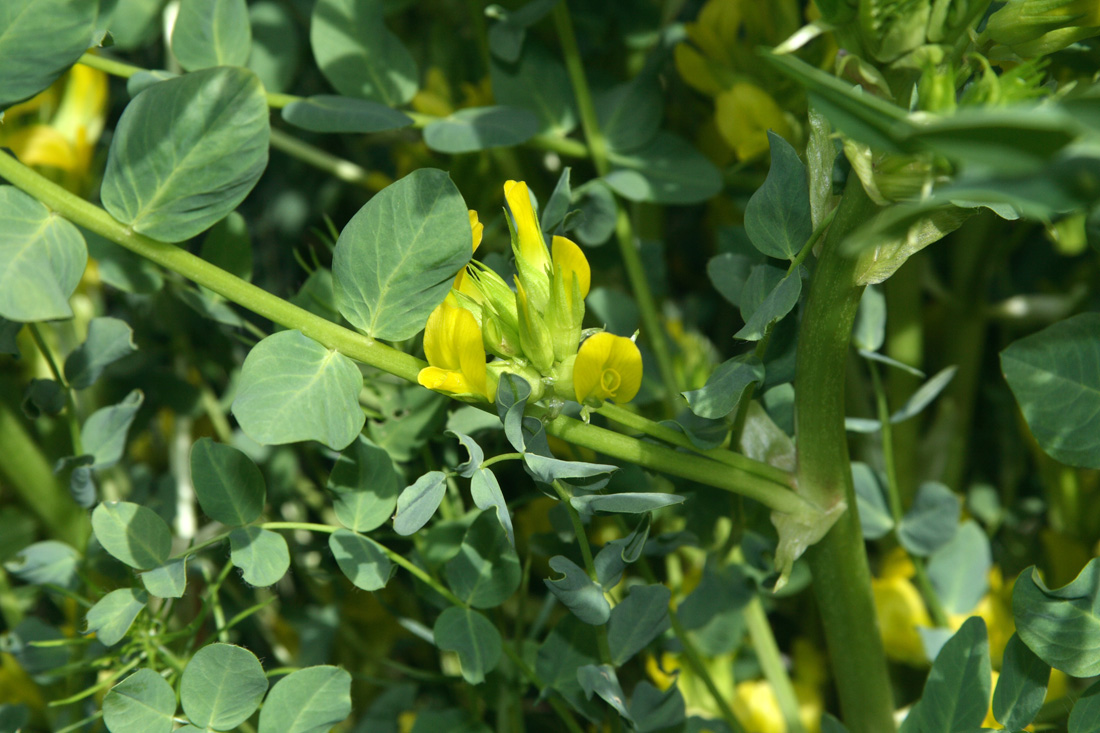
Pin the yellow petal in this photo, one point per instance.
(570, 260)
(476, 229)
(43, 145)
(608, 367)
(532, 247)
(456, 355)
(744, 114)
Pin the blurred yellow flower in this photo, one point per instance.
(744, 114)
(900, 609)
(59, 128)
(456, 356)
(608, 367)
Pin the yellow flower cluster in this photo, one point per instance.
(533, 331)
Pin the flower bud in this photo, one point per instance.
(532, 258)
(534, 336)
(568, 289)
(1041, 27)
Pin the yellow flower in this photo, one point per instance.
(456, 355)
(756, 707)
(900, 610)
(744, 114)
(608, 367)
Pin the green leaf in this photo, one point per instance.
(654, 710)
(486, 570)
(570, 645)
(110, 618)
(9, 332)
(276, 46)
(42, 397)
(222, 686)
(330, 113)
(142, 703)
(396, 259)
(142, 80)
(38, 661)
(959, 570)
(42, 258)
(229, 486)
(1085, 716)
(829, 724)
(1062, 626)
(623, 503)
(1021, 686)
(39, 40)
(361, 559)
(293, 388)
(120, 268)
(548, 470)
(778, 302)
(45, 562)
(15, 717)
(713, 611)
(956, 695)
(228, 246)
(481, 128)
(452, 720)
(104, 432)
(134, 534)
(870, 329)
(310, 700)
(725, 387)
(728, 273)
(359, 55)
(212, 33)
(578, 592)
(862, 116)
(602, 680)
(366, 486)
(637, 620)
(473, 637)
(1055, 377)
(612, 559)
(924, 395)
(167, 581)
(486, 493)
(630, 114)
(875, 518)
(932, 520)
(418, 502)
(777, 217)
(186, 152)
(109, 340)
(261, 554)
(667, 170)
(507, 35)
(537, 82)
(596, 210)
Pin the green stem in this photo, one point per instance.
(602, 643)
(335, 166)
(26, 471)
(632, 420)
(842, 578)
(771, 662)
(70, 402)
(776, 496)
(597, 145)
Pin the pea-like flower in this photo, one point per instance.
(456, 356)
(608, 367)
(532, 258)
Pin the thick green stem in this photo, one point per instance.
(842, 578)
(26, 471)
(653, 331)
